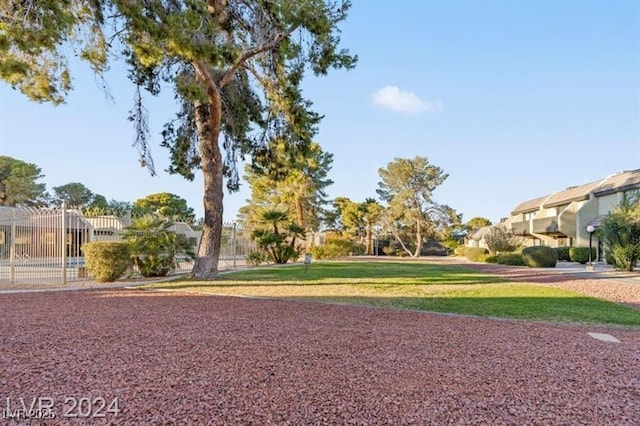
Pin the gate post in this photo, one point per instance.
(64, 243)
(234, 244)
(12, 249)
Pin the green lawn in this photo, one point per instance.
(419, 286)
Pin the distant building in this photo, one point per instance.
(561, 219)
(476, 238)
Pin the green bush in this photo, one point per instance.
(540, 257)
(623, 257)
(476, 254)
(395, 249)
(620, 232)
(563, 253)
(154, 247)
(581, 254)
(513, 259)
(107, 260)
(459, 251)
(256, 257)
(338, 247)
(491, 259)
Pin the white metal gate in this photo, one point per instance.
(41, 245)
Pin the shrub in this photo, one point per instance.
(107, 260)
(491, 259)
(501, 240)
(608, 257)
(563, 253)
(256, 257)
(513, 259)
(476, 254)
(540, 257)
(395, 249)
(581, 254)
(154, 247)
(623, 257)
(338, 247)
(459, 251)
(620, 232)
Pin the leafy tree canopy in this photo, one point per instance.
(407, 186)
(164, 204)
(74, 194)
(477, 223)
(19, 184)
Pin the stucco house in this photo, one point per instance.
(561, 219)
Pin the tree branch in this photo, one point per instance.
(229, 73)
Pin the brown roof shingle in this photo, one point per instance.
(575, 193)
(529, 206)
(620, 182)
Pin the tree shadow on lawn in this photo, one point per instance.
(424, 273)
(582, 310)
(562, 309)
(293, 281)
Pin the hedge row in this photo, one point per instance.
(540, 257)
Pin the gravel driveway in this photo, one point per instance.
(177, 359)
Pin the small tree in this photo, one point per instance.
(502, 240)
(154, 247)
(620, 232)
(278, 235)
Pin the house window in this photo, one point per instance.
(528, 216)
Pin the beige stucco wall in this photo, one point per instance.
(608, 202)
(550, 212)
(587, 212)
(567, 219)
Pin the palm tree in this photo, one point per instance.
(154, 246)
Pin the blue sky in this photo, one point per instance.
(513, 100)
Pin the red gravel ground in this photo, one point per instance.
(177, 359)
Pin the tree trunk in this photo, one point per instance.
(299, 211)
(418, 238)
(206, 263)
(369, 241)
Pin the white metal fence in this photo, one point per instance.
(43, 246)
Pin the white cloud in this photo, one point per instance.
(395, 99)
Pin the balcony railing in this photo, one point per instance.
(520, 228)
(547, 225)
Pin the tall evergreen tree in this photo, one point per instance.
(235, 66)
(294, 182)
(74, 194)
(19, 184)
